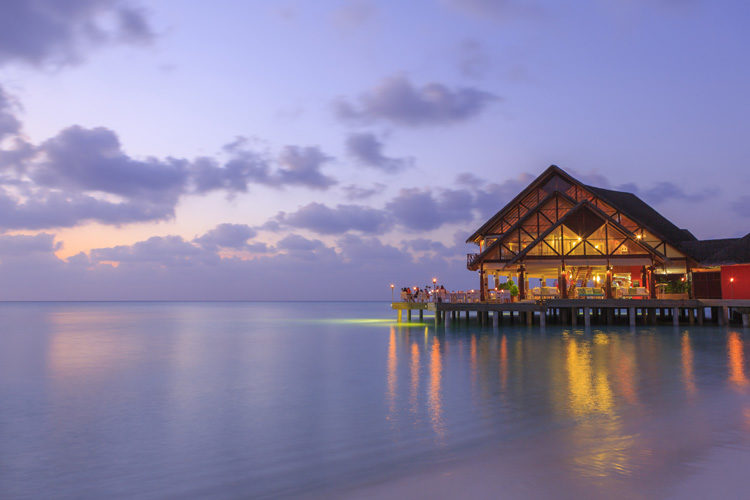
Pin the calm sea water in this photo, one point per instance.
(241, 400)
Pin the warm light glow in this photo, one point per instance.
(434, 280)
(392, 364)
(414, 389)
(731, 280)
(638, 236)
(736, 362)
(434, 398)
(687, 364)
(392, 285)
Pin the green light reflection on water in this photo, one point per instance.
(370, 322)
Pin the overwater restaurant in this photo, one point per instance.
(578, 241)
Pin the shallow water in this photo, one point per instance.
(246, 400)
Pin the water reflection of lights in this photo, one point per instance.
(601, 447)
(392, 376)
(687, 363)
(434, 402)
(736, 360)
(473, 360)
(504, 363)
(414, 389)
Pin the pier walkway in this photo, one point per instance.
(585, 312)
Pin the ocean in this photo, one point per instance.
(337, 400)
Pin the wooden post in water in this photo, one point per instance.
(421, 315)
(631, 315)
(495, 318)
(724, 315)
(529, 318)
(586, 316)
(676, 316)
(408, 315)
(745, 320)
(400, 315)
(543, 318)
(701, 315)
(573, 316)
(691, 316)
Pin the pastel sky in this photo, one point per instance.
(181, 149)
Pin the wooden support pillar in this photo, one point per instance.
(724, 315)
(651, 282)
(421, 315)
(587, 316)
(522, 282)
(573, 316)
(745, 320)
(676, 316)
(467, 317)
(610, 316)
(495, 319)
(529, 318)
(543, 318)
(691, 316)
(400, 315)
(631, 315)
(608, 283)
(448, 316)
(701, 315)
(408, 315)
(562, 281)
(651, 316)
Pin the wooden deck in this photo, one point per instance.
(587, 311)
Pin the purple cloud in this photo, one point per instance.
(396, 100)
(301, 166)
(9, 124)
(322, 219)
(93, 160)
(83, 175)
(163, 250)
(232, 236)
(59, 32)
(48, 209)
(422, 210)
(367, 150)
(354, 192)
(21, 245)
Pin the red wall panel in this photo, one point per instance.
(740, 287)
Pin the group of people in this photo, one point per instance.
(426, 294)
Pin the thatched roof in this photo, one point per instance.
(726, 251)
(638, 209)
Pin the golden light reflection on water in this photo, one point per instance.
(589, 391)
(504, 363)
(600, 446)
(391, 377)
(687, 363)
(473, 360)
(626, 362)
(434, 401)
(736, 360)
(414, 387)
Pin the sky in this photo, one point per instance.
(296, 150)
